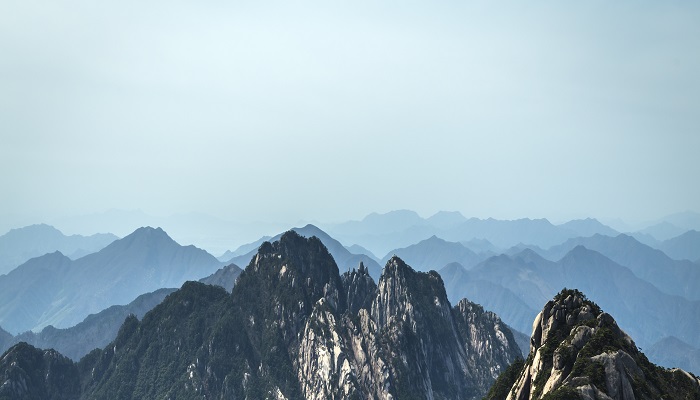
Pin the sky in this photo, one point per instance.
(328, 111)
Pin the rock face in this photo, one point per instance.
(578, 351)
(293, 328)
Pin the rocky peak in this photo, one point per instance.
(304, 266)
(400, 288)
(359, 289)
(578, 351)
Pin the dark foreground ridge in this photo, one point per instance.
(292, 328)
(578, 352)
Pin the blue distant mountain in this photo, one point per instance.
(19, 245)
(55, 290)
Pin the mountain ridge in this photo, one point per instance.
(32, 296)
(19, 245)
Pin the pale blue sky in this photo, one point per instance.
(283, 111)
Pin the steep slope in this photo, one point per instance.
(33, 374)
(434, 253)
(578, 351)
(20, 245)
(683, 247)
(31, 289)
(671, 276)
(224, 277)
(342, 256)
(53, 290)
(95, 331)
(289, 330)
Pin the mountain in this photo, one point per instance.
(390, 222)
(683, 247)
(662, 231)
(433, 253)
(224, 277)
(95, 331)
(398, 229)
(19, 245)
(480, 246)
(243, 249)
(677, 277)
(30, 373)
(588, 227)
(54, 290)
(686, 220)
(671, 352)
(578, 352)
(523, 280)
(344, 258)
(446, 219)
(460, 282)
(294, 328)
(6, 340)
(357, 249)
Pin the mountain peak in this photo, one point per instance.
(578, 351)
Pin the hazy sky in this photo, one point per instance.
(329, 110)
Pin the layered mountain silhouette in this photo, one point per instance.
(676, 277)
(55, 290)
(683, 247)
(579, 352)
(95, 331)
(20, 245)
(381, 233)
(292, 328)
(98, 330)
(434, 253)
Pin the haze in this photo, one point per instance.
(288, 111)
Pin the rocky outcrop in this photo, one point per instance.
(359, 288)
(578, 351)
(486, 340)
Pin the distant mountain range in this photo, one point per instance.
(19, 245)
(513, 286)
(55, 290)
(97, 330)
(380, 233)
(683, 247)
(678, 277)
(434, 253)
